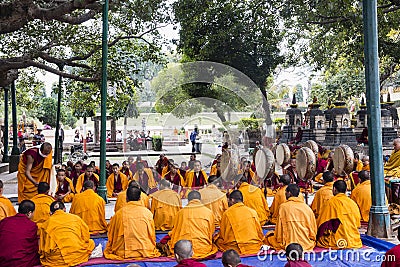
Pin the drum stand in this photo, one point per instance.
(308, 185)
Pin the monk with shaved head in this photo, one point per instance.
(183, 252)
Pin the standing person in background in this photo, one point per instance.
(193, 136)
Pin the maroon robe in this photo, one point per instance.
(34, 153)
(74, 176)
(161, 163)
(198, 181)
(18, 242)
(292, 173)
(63, 189)
(117, 184)
(392, 257)
(176, 181)
(243, 265)
(190, 263)
(298, 263)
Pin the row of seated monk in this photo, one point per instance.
(331, 218)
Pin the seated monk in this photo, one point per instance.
(4, 213)
(64, 239)
(6, 201)
(279, 198)
(339, 221)
(231, 258)
(183, 252)
(77, 170)
(362, 195)
(240, 229)
(167, 168)
(131, 234)
(197, 177)
(323, 194)
(392, 257)
(121, 199)
(144, 177)
(165, 204)
(160, 164)
(216, 169)
(65, 187)
(296, 223)
(392, 167)
(116, 182)
(90, 207)
(175, 178)
(19, 239)
(214, 199)
(125, 170)
(132, 164)
(251, 176)
(194, 222)
(292, 171)
(42, 204)
(295, 256)
(87, 175)
(365, 161)
(254, 198)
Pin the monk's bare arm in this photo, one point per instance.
(29, 164)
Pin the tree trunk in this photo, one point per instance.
(266, 107)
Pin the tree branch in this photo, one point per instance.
(78, 19)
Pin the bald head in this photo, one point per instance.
(364, 176)
(396, 144)
(230, 258)
(88, 185)
(57, 205)
(285, 179)
(194, 195)
(183, 250)
(164, 184)
(46, 148)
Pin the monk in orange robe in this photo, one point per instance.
(214, 199)
(125, 170)
(196, 178)
(65, 187)
(144, 176)
(160, 164)
(116, 182)
(64, 239)
(6, 201)
(194, 222)
(392, 167)
(121, 199)
(240, 229)
(365, 161)
(42, 204)
(34, 167)
(339, 221)
(357, 163)
(279, 198)
(90, 207)
(167, 168)
(254, 198)
(362, 195)
(323, 194)
(4, 213)
(296, 223)
(175, 178)
(88, 175)
(216, 169)
(165, 204)
(131, 233)
(246, 171)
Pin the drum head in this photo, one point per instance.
(264, 161)
(343, 159)
(305, 163)
(312, 145)
(282, 154)
(229, 164)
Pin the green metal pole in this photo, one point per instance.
(379, 220)
(15, 150)
(102, 190)
(5, 133)
(57, 157)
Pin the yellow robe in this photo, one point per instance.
(40, 173)
(90, 207)
(359, 166)
(347, 212)
(195, 222)
(110, 183)
(68, 198)
(240, 230)
(131, 234)
(7, 202)
(279, 198)
(254, 198)
(362, 196)
(189, 177)
(151, 182)
(81, 180)
(165, 204)
(64, 240)
(392, 167)
(321, 197)
(121, 201)
(42, 208)
(164, 171)
(4, 212)
(366, 168)
(215, 200)
(296, 224)
(213, 170)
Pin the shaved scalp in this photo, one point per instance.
(294, 251)
(46, 146)
(364, 175)
(285, 179)
(340, 186)
(293, 189)
(194, 195)
(134, 183)
(184, 249)
(164, 184)
(88, 184)
(236, 195)
(56, 205)
(328, 176)
(26, 206)
(230, 257)
(133, 194)
(43, 187)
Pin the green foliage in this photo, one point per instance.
(157, 142)
(251, 123)
(46, 111)
(299, 93)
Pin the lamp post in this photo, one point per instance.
(5, 133)
(15, 150)
(57, 144)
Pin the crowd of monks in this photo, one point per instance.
(221, 215)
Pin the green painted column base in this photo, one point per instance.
(379, 222)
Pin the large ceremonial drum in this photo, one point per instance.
(343, 158)
(312, 145)
(305, 163)
(282, 154)
(264, 161)
(229, 164)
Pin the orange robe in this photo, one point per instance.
(90, 207)
(321, 197)
(296, 224)
(81, 180)
(279, 198)
(40, 173)
(253, 177)
(165, 204)
(128, 174)
(4, 212)
(359, 166)
(68, 198)
(131, 234)
(42, 208)
(151, 183)
(362, 196)
(164, 171)
(121, 201)
(338, 224)
(213, 170)
(111, 182)
(215, 200)
(366, 168)
(189, 179)
(240, 230)
(64, 240)
(254, 198)
(195, 222)
(7, 202)
(392, 167)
